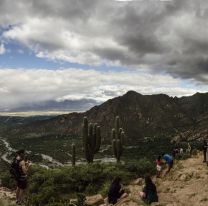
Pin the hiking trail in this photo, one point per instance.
(185, 185)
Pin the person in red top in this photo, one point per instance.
(159, 166)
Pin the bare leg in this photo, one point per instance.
(21, 195)
(17, 194)
(169, 168)
(158, 174)
(142, 195)
(167, 171)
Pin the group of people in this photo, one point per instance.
(168, 159)
(20, 166)
(149, 192)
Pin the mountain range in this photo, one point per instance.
(141, 116)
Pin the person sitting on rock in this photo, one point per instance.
(115, 191)
(169, 161)
(149, 193)
(159, 166)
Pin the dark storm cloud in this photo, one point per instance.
(169, 36)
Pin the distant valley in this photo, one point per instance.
(148, 120)
(141, 116)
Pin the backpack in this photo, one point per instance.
(14, 169)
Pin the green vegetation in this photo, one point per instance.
(6, 203)
(57, 147)
(61, 184)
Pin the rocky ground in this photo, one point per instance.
(186, 185)
(7, 197)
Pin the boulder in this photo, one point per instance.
(94, 200)
(138, 181)
(73, 201)
(183, 177)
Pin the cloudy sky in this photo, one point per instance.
(96, 49)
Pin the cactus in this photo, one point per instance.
(117, 139)
(73, 155)
(91, 139)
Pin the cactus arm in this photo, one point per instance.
(73, 155)
(98, 139)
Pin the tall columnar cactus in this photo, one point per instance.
(117, 139)
(91, 139)
(73, 155)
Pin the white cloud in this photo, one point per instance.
(2, 49)
(167, 36)
(22, 86)
(163, 36)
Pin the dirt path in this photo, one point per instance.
(186, 185)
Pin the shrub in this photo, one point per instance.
(55, 187)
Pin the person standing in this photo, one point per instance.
(20, 168)
(159, 166)
(205, 146)
(189, 149)
(175, 152)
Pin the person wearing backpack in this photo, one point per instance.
(19, 169)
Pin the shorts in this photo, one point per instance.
(159, 168)
(22, 183)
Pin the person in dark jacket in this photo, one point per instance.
(115, 191)
(205, 146)
(149, 193)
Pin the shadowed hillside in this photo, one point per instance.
(141, 116)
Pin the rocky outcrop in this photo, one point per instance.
(7, 197)
(94, 200)
(6, 193)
